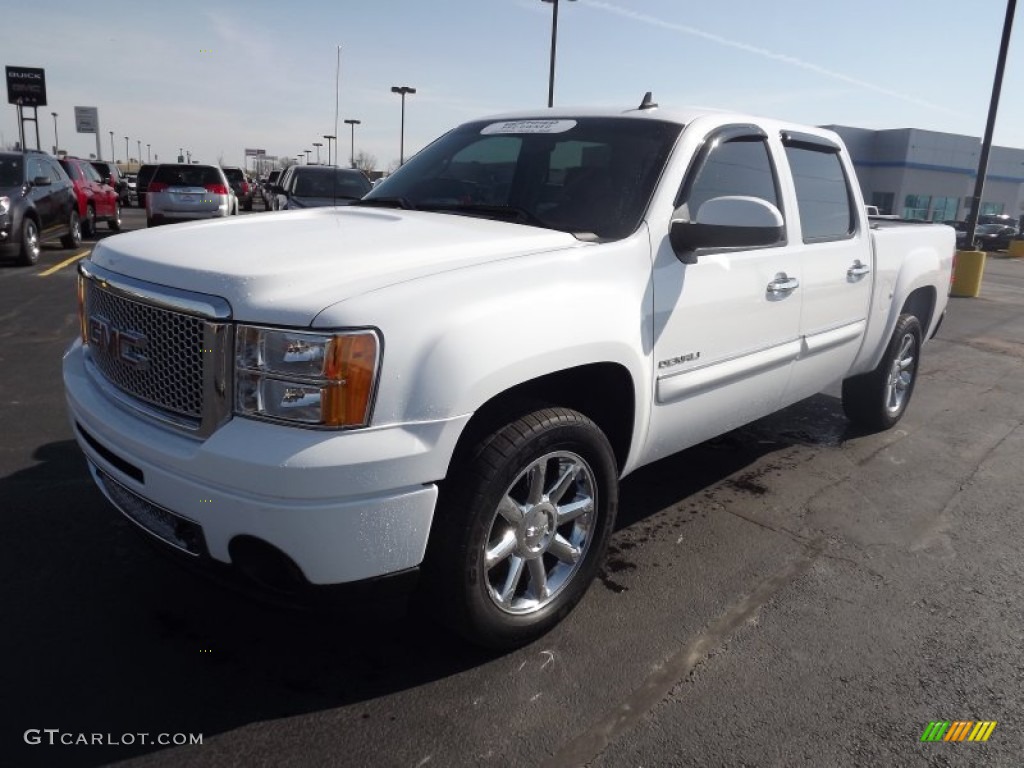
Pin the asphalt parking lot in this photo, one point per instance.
(790, 593)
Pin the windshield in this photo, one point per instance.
(586, 175)
(188, 175)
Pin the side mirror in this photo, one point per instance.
(726, 222)
(41, 181)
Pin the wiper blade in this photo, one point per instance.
(507, 211)
(386, 202)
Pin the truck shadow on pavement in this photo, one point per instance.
(103, 636)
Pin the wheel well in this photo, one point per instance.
(921, 304)
(601, 391)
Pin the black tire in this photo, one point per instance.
(89, 223)
(115, 223)
(462, 587)
(248, 205)
(73, 239)
(28, 244)
(150, 222)
(877, 400)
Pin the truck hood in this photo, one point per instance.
(284, 268)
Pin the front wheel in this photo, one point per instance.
(522, 526)
(28, 252)
(115, 223)
(877, 400)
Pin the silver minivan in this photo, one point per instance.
(183, 192)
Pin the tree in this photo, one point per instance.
(365, 162)
(393, 166)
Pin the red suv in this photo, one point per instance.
(97, 200)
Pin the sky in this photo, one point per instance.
(215, 78)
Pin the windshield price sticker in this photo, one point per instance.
(529, 126)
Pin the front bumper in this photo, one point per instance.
(342, 506)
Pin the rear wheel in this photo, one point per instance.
(28, 253)
(73, 239)
(522, 526)
(877, 400)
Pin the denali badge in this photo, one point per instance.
(127, 346)
(689, 356)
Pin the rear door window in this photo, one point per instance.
(822, 193)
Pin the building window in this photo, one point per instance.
(883, 201)
(916, 207)
(944, 209)
(991, 208)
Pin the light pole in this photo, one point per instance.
(56, 141)
(318, 144)
(307, 151)
(402, 90)
(188, 156)
(113, 159)
(352, 150)
(329, 147)
(554, 40)
(147, 154)
(139, 156)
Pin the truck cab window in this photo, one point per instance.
(737, 167)
(822, 194)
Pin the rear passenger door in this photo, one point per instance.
(43, 195)
(836, 262)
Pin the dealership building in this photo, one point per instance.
(929, 175)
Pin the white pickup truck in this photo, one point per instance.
(449, 379)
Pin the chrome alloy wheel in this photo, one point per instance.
(901, 374)
(540, 532)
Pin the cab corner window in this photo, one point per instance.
(822, 194)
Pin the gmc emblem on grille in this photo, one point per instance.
(127, 346)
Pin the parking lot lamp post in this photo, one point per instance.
(318, 144)
(112, 158)
(125, 151)
(56, 141)
(329, 147)
(308, 152)
(554, 41)
(352, 149)
(147, 154)
(402, 90)
(139, 156)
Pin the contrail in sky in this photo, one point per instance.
(763, 52)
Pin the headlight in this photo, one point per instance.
(313, 379)
(5, 205)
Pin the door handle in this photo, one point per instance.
(857, 270)
(783, 284)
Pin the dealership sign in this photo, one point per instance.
(26, 86)
(87, 120)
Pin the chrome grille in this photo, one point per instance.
(164, 353)
(173, 378)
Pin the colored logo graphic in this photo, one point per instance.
(959, 730)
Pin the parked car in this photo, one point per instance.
(448, 379)
(272, 178)
(275, 198)
(142, 180)
(240, 185)
(133, 195)
(97, 200)
(37, 203)
(994, 237)
(180, 192)
(112, 175)
(314, 186)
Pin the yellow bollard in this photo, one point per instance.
(970, 266)
(1016, 248)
